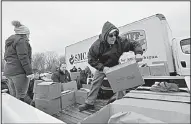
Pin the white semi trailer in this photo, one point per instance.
(157, 42)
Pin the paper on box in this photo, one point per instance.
(74, 75)
(48, 90)
(72, 85)
(81, 96)
(67, 99)
(124, 76)
(49, 106)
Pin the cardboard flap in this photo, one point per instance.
(46, 83)
(158, 64)
(66, 91)
(118, 67)
(187, 80)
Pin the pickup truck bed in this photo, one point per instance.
(72, 115)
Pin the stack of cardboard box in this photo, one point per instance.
(47, 97)
(67, 98)
(71, 95)
(155, 69)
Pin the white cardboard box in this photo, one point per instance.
(48, 90)
(124, 76)
(158, 70)
(87, 86)
(145, 71)
(49, 106)
(165, 111)
(74, 75)
(67, 99)
(36, 82)
(72, 85)
(81, 96)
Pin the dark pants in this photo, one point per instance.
(96, 85)
(18, 85)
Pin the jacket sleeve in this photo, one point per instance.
(132, 46)
(93, 58)
(55, 77)
(22, 53)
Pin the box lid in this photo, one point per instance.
(46, 83)
(118, 67)
(66, 91)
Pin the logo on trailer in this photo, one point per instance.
(78, 58)
(71, 60)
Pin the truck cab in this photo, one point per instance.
(181, 55)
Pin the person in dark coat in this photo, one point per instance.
(105, 53)
(61, 75)
(17, 55)
(29, 97)
(74, 69)
(79, 69)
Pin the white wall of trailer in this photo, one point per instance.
(153, 32)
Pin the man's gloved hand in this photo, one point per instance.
(138, 57)
(105, 69)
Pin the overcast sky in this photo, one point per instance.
(55, 25)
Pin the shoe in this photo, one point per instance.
(32, 103)
(85, 107)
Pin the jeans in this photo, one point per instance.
(18, 85)
(96, 85)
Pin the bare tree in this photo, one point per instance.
(38, 61)
(51, 60)
(62, 59)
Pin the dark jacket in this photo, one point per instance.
(17, 55)
(100, 54)
(31, 86)
(59, 76)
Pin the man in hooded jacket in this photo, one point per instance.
(104, 53)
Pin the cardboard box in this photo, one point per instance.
(87, 86)
(72, 85)
(74, 75)
(158, 70)
(67, 98)
(164, 111)
(36, 82)
(145, 71)
(48, 90)
(124, 76)
(49, 106)
(81, 96)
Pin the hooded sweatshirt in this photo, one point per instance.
(101, 54)
(17, 55)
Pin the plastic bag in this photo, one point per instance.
(164, 87)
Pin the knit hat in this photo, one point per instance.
(19, 28)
